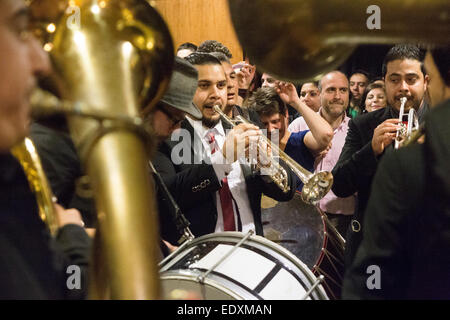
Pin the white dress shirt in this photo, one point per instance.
(233, 172)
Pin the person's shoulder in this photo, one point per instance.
(370, 116)
(299, 135)
(408, 161)
(440, 113)
(297, 138)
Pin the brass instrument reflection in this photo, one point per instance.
(117, 61)
(299, 41)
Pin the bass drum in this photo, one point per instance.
(305, 231)
(233, 265)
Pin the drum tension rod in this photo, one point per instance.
(316, 283)
(202, 278)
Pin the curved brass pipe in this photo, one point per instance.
(28, 157)
(118, 60)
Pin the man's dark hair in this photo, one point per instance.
(441, 57)
(221, 57)
(210, 46)
(187, 45)
(377, 79)
(402, 52)
(266, 102)
(361, 71)
(201, 58)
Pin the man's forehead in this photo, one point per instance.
(228, 68)
(358, 77)
(336, 80)
(211, 72)
(271, 117)
(404, 67)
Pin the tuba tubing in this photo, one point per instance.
(25, 152)
(117, 61)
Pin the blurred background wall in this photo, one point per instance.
(198, 20)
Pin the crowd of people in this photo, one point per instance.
(391, 206)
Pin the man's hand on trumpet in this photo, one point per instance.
(238, 142)
(384, 135)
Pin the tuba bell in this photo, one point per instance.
(114, 57)
(299, 41)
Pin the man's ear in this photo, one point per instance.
(426, 81)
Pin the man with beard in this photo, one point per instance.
(33, 265)
(223, 54)
(358, 83)
(406, 233)
(334, 98)
(372, 134)
(229, 195)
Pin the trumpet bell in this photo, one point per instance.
(317, 187)
(299, 41)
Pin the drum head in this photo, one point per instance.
(231, 265)
(296, 226)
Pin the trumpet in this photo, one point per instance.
(315, 187)
(407, 129)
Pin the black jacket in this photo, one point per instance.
(356, 167)
(193, 187)
(32, 264)
(62, 167)
(407, 221)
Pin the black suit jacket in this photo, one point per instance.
(356, 167)
(33, 265)
(407, 221)
(193, 187)
(63, 168)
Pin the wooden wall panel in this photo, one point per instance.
(198, 20)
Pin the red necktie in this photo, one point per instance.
(226, 200)
(227, 207)
(212, 142)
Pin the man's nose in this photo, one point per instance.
(215, 92)
(337, 94)
(404, 86)
(40, 61)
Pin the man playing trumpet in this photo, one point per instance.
(371, 135)
(228, 197)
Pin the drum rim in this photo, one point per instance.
(192, 276)
(266, 243)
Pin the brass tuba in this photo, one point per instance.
(300, 40)
(114, 57)
(25, 152)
